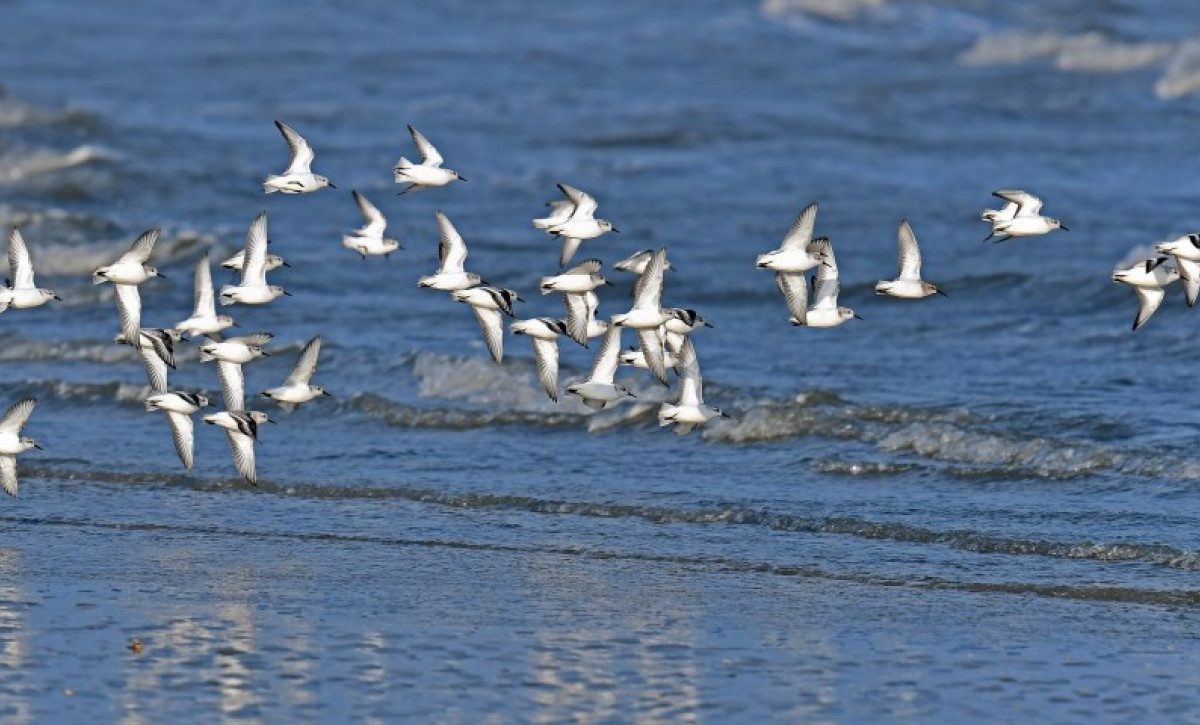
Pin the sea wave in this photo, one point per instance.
(839, 10)
(20, 165)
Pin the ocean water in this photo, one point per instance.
(985, 506)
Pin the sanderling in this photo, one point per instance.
(599, 391)
(369, 239)
(204, 319)
(296, 389)
(238, 261)
(647, 315)
(908, 284)
(488, 303)
(1027, 220)
(581, 321)
(634, 357)
(799, 252)
(543, 332)
(253, 289)
(825, 311)
(1186, 250)
(560, 211)
(683, 321)
(426, 174)
(241, 427)
(452, 255)
(298, 178)
(157, 348)
(21, 292)
(131, 267)
(13, 443)
(179, 406)
(1148, 278)
(580, 225)
(230, 355)
(583, 277)
(688, 410)
(636, 262)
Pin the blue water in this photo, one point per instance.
(983, 506)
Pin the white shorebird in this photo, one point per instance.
(799, 252)
(688, 410)
(1006, 213)
(238, 261)
(131, 268)
(204, 319)
(179, 406)
(599, 391)
(157, 348)
(583, 277)
(298, 178)
(635, 358)
(636, 262)
(452, 255)
(825, 311)
(560, 211)
(543, 333)
(253, 289)
(13, 443)
(488, 303)
(297, 389)
(580, 225)
(647, 315)
(21, 292)
(429, 172)
(581, 321)
(908, 283)
(1148, 278)
(368, 240)
(241, 427)
(1186, 250)
(230, 355)
(1026, 219)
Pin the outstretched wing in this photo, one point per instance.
(20, 266)
(578, 316)
(254, 263)
(585, 203)
(652, 349)
(801, 232)
(139, 251)
(546, 352)
(302, 153)
(492, 325)
(647, 293)
(910, 253)
(8, 474)
(605, 366)
(232, 385)
(376, 224)
(1027, 204)
(156, 366)
(429, 154)
(129, 307)
(691, 385)
(17, 415)
(205, 303)
(452, 250)
(825, 288)
(306, 364)
(1149, 300)
(795, 292)
(242, 447)
(181, 432)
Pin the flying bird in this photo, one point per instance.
(297, 389)
(13, 443)
(253, 289)
(452, 255)
(179, 406)
(204, 319)
(20, 292)
(908, 284)
(241, 427)
(368, 240)
(298, 178)
(427, 174)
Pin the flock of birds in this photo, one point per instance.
(664, 334)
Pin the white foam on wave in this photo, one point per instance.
(53, 258)
(840, 10)
(20, 165)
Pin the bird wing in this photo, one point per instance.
(647, 293)
(156, 367)
(452, 250)
(302, 153)
(492, 325)
(254, 263)
(16, 416)
(560, 211)
(691, 385)
(910, 253)
(652, 349)
(825, 288)
(242, 447)
(8, 474)
(578, 316)
(1189, 270)
(254, 339)
(20, 266)
(1027, 204)
(605, 366)
(129, 307)
(546, 352)
(139, 251)
(795, 292)
(587, 266)
(1148, 303)
(306, 364)
(376, 224)
(232, 385)
(429, 154)
(585, 203)
(181, 432)
(205, 303)
(801, 232)
(570, 245)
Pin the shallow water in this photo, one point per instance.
(982, 506)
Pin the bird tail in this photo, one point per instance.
(403, 163)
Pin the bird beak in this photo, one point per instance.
(520, 299)
(726, 415)
(287, 294)
(1060, 226)
(707, 323)
(857, 316)
(326, 392)
(331, 186)
(35, 445)
(939, 292)
(270, 420)
(616, 231)
(56, 297)
(160, 274)
(286, 265)
(462, 178)
(267, 354)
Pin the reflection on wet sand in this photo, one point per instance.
(14, 644)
